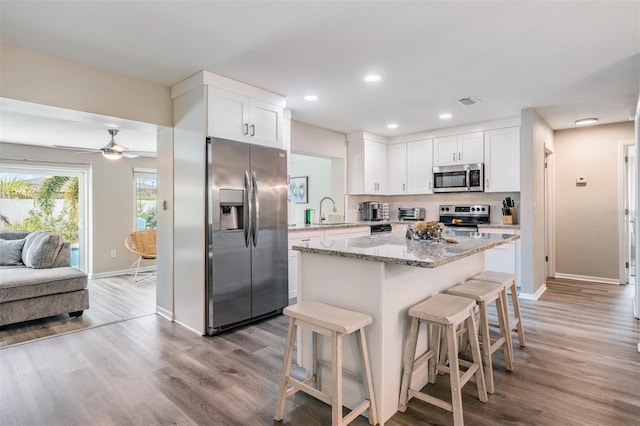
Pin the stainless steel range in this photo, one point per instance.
(464, 217)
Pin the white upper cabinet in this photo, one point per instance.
(461, 149)
(242, 118)
(502, 160)
(366, 164)
(397, 168)
(419, 167)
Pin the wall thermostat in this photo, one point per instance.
(581, 181)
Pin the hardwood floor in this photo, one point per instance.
(580, 367)
(110, 300)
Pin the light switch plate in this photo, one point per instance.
(581, 181)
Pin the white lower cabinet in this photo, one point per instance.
(300, 237)
(504, 258)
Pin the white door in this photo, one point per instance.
(228, 115)
(420, 167)
(265, 122)
(471, 148)
(445, 151)
(397, 168)
(502, 160)
(375, 167)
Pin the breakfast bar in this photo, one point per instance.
(384, 275)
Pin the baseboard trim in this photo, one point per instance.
(165, 313)
(293, 294)
(587, 278)
(534, 296)
(121, 272)
(181, 324)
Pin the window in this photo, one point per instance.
(145, 184)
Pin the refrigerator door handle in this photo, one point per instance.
(247, 208)
(255, 226)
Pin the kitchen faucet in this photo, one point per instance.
(334, 207)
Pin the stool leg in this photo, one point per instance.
(477, 359)
(316, 357)
(366, 379)
(505, 332)
(454, 375)
(516, 311)
(336, 399)
(434, 344)
(409, 357)
(486, 346)
(286, 371)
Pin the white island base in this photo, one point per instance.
(385, 291)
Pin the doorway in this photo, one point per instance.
(47, 197)
(629, 238)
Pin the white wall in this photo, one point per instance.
(587, 216)
(312, 140)
(42, 79)
(113, 209)
(535, 133)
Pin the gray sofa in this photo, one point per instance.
(36, 279)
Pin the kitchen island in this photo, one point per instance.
(384, 275)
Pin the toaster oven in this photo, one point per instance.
(410, 213)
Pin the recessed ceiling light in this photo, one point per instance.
(311, 98)
(392, 126)
(445, 116)
(372, 78)
(585, 121)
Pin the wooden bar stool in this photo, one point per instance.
(485, 292)
(335, 323)
(443, 311)
(509, 282)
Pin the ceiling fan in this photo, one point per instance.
(112, 150)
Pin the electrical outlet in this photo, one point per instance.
(113, 253)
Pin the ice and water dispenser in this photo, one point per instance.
(231, 209)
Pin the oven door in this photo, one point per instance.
(450, 179)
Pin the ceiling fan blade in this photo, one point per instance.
(75, 148)
(143, 153)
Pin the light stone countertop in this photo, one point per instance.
(396, 248)
(354, 224)
(499, 226)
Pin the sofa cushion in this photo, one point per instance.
(14, 235)
(24, 283)
(40, 249)
(11, 252)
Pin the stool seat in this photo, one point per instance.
(503, 278)
(442, 309)
(328, 317)
(480, 291)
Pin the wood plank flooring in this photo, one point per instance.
(580, 367)
(110, 300)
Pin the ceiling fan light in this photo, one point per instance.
(111, 154)
(586, 121)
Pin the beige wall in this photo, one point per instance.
(42, 79)
(312, 140)
(587, 216)
(112, 211)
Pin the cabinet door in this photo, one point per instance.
(228, 115)
(471, 148)
(502, 160)
(339, 234)
(445, 151)
(397, 168)
(375, 167)
(420, 167)
(264, 125)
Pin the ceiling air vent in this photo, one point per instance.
(468, 101)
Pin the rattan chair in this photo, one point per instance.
(142, 243)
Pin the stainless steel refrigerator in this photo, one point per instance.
(247, 262)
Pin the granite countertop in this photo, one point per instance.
(354, 224)
(395, 248)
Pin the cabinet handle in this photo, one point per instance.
(404, 187)
(430, 185)
(454, 156)
(459, 156)
(246, 129)
(306, 240)
(253, 130)
(487, 183)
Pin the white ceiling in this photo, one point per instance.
(568, 59)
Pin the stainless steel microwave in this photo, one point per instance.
(459, 178)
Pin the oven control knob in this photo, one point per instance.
(473, 209)
(483, 209)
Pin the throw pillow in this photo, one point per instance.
(11, 252)
(41, 249)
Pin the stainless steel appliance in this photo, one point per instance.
(459, 178)
(464, 217)
(410, 213)
(377, 229)
(247, 270)
(370, 210)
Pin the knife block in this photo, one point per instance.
(510, 219)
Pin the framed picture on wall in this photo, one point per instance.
(298, 190)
